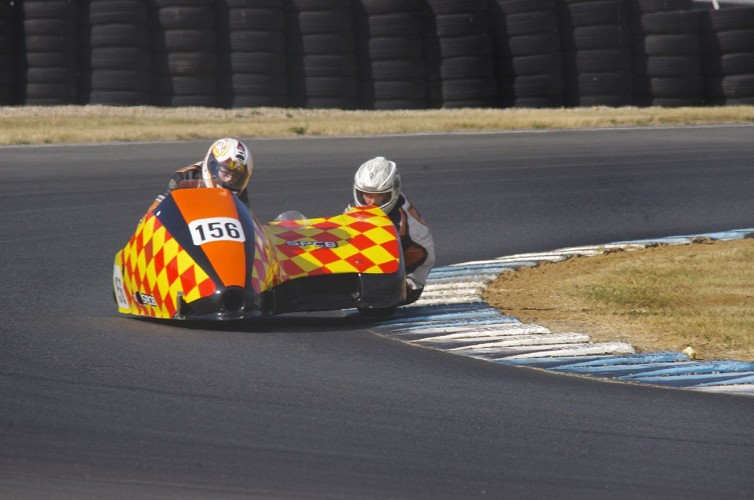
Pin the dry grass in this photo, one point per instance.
(40, 125)
(667, 297)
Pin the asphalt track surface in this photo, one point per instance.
(93, 405)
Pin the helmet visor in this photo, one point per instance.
(373, 199)
(230, 174)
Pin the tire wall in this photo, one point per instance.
(376, 54)
(8, 53)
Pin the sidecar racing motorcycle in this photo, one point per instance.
(202, 255)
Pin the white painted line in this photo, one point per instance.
(560, 339)
(741, 389)
(491, 329)
(578, 350)
(493, 339)
(468, 332)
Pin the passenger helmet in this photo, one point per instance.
(228, 164)
(377, 176)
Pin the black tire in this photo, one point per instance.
(533, 65)
(442, 7)
(183, 3)
(257, 84)
(120, 58)
(398, 90)
(595, 37)
(649, 6)
(598, 61)
(472, 90)
(592, 13)
(544, 86)
(49, 9)
(733, 87)
(390, 6)
(45, 26)
(729, 64)
(8, 67)
(472, 23)
(118, 35)
(50, 28)
(184, 40)
(399, 25)
(118, 12)
(256, 101)
(602, 84)
(671, 22)
(55, 44)
(529, 23)
(389, 48)
(51, 59)
(319, 22)
(669, 66)
(255, 41)
(114, 80)
(59, 75)
(308, 5)
(393, 69)
(670, 87)
(728, 19)
(535, 102)
(529, 45)
(512, 7)
(270, 63)
(466, 67)
(321, 32)
(255, 19)
(727, 42)
(667, 45)
(327, 43)
(185, 17)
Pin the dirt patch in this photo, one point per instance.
(663, 298)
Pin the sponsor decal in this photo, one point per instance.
(312, 243)
(216, 229)
(120, 291)
(145, 299)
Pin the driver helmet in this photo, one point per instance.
(377, 176)
(228, 164)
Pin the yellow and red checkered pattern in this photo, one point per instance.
(265, 273)
(155, 268)
(362, 240)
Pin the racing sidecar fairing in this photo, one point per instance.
(201, 254)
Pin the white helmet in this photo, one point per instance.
(228, 164)
(377, 176)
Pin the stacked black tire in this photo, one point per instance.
(252, 65)
(321, 54)
(596, 52)
(184, 53)
(728, 56)
(390, 54)
(117, 66)
(666, 63)
(49, 41)
(8, 48)
(461, 72)
(528, 56)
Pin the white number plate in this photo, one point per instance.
(216, 229)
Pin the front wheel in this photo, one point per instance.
(377, 312)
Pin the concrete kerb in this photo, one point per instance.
(452, 316)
